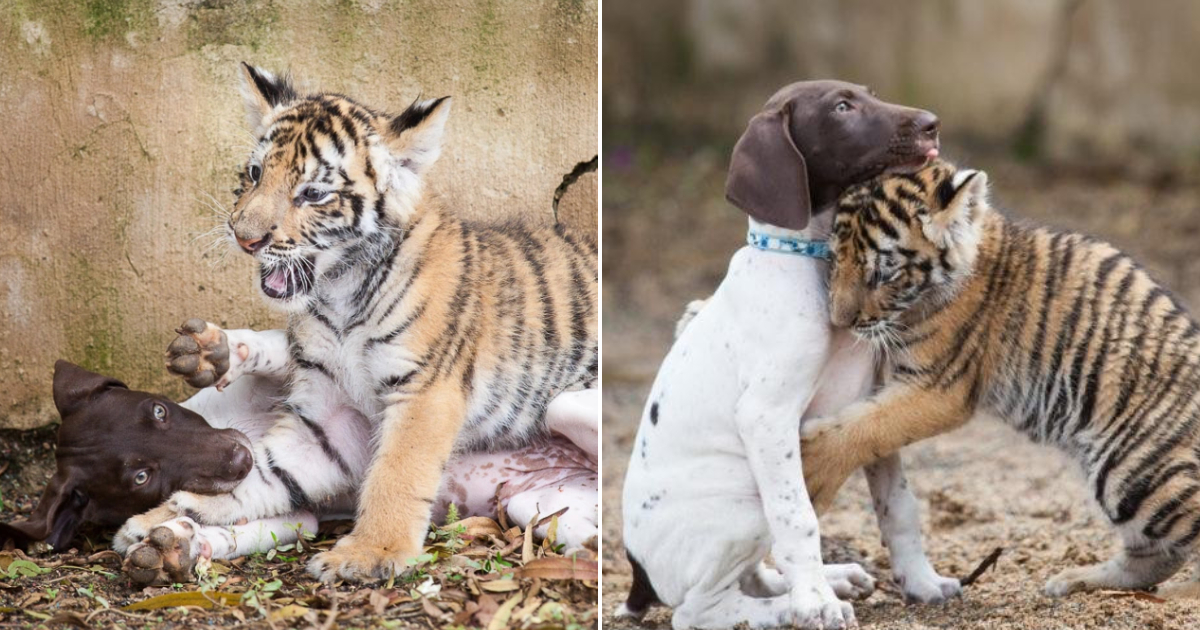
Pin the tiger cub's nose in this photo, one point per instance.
(251, 245)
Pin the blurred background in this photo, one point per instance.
(1086, 114)
(124, 130)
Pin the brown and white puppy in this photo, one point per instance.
(714, 484)
(121, 452)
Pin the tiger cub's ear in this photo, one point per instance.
(961, 200)
(262, 92)
(414, 137)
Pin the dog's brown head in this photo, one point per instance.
(815, 138)
(122, 452)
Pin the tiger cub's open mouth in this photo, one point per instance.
(282, 280)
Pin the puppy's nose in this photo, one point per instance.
(927, 124)
(240, 463)
(251, 245)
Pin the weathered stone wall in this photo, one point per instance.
(123, 130)
(1104, 84)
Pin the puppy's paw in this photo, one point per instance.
(817, 608)
(928, 588)
(201, 355)
(166, 556)
(355, 560)
(849, 581)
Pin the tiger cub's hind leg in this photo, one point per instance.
(1134, 568)
(1158, 540)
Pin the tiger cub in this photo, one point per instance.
(1061, 335)
(448, 335)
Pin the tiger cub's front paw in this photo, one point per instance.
(200, 354)
(827, 461)
(356, 560)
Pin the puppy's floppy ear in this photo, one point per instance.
(767, 176)
(55, 520)
(74, 386)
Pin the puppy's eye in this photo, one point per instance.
(160, 412)
(842, 107)
(141, 478)
(254, 173)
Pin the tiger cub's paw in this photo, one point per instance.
(200, 354)
(355, 560)
(1073, 580)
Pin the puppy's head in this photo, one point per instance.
(815, 138)
(122, 452)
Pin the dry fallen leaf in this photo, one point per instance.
(500, 619)
(500, 586)
(527, 545)
(559, 568)
(189, 598)
(431, 608)
(480, 526)
(291, 611)
(70, 619)
(379, 602)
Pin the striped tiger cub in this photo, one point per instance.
(449, 335)
(1061, 335)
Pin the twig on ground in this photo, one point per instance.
(88, 619)
(107, 554)
(987, 563)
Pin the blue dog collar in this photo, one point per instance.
(797, 246)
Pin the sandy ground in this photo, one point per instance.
(668, 236)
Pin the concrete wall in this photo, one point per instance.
(1105, 84)
(123, 130)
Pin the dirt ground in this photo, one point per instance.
(476, 573)
(668, 236)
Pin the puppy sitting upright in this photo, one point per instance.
(714, 483)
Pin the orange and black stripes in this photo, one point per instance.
(412, 295)
(1062, 335)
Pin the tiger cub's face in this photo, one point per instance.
(328, 184)
(901, 240)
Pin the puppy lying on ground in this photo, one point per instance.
(122, 453)
(714, 483)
